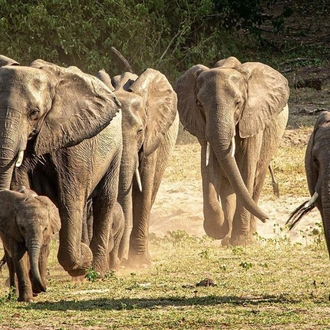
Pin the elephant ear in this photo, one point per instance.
(268, 93)
(9, 200)
(4, 60)
(229, 62)
(105, 78)
(160, 102)
(81, 107)
(124, 81)
(54, 217)
(191, 117)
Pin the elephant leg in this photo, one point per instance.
(228, 201)
(103, 217)
(114, 260)
(21, 265)
(73, 255)
(247, 157)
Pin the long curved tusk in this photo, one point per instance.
(207, 153)
(20, 157)
(233, 146)
(138, 178)
(312, 200)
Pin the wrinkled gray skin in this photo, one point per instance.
(150, 126)
(68, 124)
(27, 224)
(317, 159)
(116, 233)
(241, 109)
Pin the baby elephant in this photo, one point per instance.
(27, 224)
(116, 233)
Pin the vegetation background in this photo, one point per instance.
(281, 281)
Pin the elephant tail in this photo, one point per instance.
(300, 211)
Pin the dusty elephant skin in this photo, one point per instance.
(317, 160)
(67, 124)
(239, 113)
(27, 224)
(150, 126)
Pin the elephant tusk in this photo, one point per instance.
(138, 178)
(20, 157)
(233, 146)
(207, 153)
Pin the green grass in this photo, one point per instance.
(271, 284)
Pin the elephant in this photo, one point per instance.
(150, 126)
(61, 136)
(317, 157)
(238, 112)
(116, 233)
(27, 224)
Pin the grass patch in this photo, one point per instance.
(272, 283)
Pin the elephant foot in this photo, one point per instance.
(226, 241)
(241, 240)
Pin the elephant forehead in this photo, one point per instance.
(23, 74)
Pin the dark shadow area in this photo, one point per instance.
(134, 303)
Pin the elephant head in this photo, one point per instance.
(148, 110)
(50, 106)
(28, 222)
(220, 105)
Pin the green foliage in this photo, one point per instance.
(166, 35)
(92, 275)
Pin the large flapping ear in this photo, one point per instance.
(123, 81)
(54, 217)
(160, 102)
(9, 199)
(229, 62)
(268, 93)
(81, 107)
(105, 78)
(190, 115)
(4, 60)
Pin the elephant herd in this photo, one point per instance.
(84, 156)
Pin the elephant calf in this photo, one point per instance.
(27, 224)
(116, 233)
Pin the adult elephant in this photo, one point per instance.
(67, 125)
(238, 112)
(150, 126)
(317, 158)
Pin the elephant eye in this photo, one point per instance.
(34, 114)
(199, 104)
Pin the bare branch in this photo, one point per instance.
(122, 57)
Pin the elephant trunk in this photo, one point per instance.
(214, 224)
(127, 169)
(221, 138)
(10, 144)
(34, 253)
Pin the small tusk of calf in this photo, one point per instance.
(233, 146)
